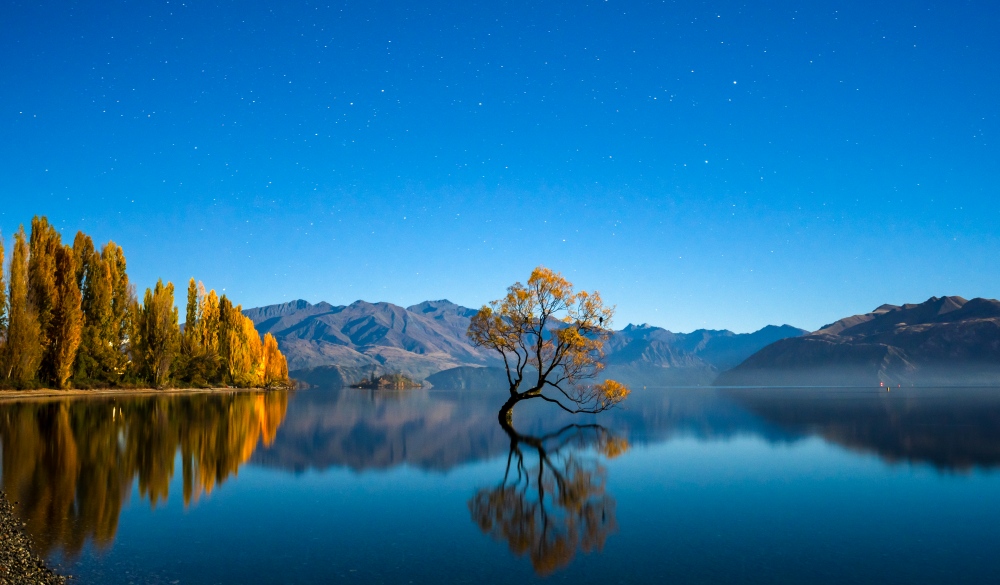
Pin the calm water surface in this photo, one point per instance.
(683, 486)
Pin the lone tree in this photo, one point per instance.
(554, 337)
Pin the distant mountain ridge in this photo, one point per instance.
(942, 341)
(416, 341)
(336, 345)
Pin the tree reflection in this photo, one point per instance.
(70, 465)
(552, 499)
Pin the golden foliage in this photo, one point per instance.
(23, 350)
(3, 302)
(70, 314)
(550, 510)
(208, 322)
(275, 364)
(547, 329)
(71, 464)
(67, 317)
(157, 334)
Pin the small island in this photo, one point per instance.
(387, 382)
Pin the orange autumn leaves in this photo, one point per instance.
(551, 338)
(72, 464)
(69, 317)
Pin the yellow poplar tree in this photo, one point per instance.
(83, 251)
(275, 365)
(207, 333)
(208, 322)
(42, 293)
(3, 302)
(123, 303)
(23, 351)
(158, 333)
(67, 318)
(98, 355)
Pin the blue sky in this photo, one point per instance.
(702, 164)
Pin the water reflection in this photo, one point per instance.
(541, 492)
(71, 464)
(552, 500)
(952, 429)
(440, 430)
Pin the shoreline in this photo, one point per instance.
(19, 562)
(82, 393)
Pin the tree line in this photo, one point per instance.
(69, 317)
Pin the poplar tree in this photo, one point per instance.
(207, 334)
(275, 365)
(225, 332)
(208, 323)
(67, 318)
(3, 301)
(123, 305)
(99, 354)
(42, 294)
(23, 350)
(191, 313)
(83, 252)
(195, 366)
(70, 312)
(158, 333)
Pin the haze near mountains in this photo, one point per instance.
(942, 341)
(334, 345)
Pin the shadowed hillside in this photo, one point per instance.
(943, 341)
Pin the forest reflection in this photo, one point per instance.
(552, 500)
(71, 464)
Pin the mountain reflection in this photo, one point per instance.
(71, 464)
(442, 429)
(551, 501)
(949, 428)
(952, 429)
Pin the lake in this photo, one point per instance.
(682, 485)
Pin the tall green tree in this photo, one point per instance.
(23, 350)
(67, 317)
(158, 334)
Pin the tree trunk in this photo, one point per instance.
(506, 414)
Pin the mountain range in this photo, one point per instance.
(337, 345)
(942, 341)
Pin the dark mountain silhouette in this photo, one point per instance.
(943, 341)
(330, 345)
